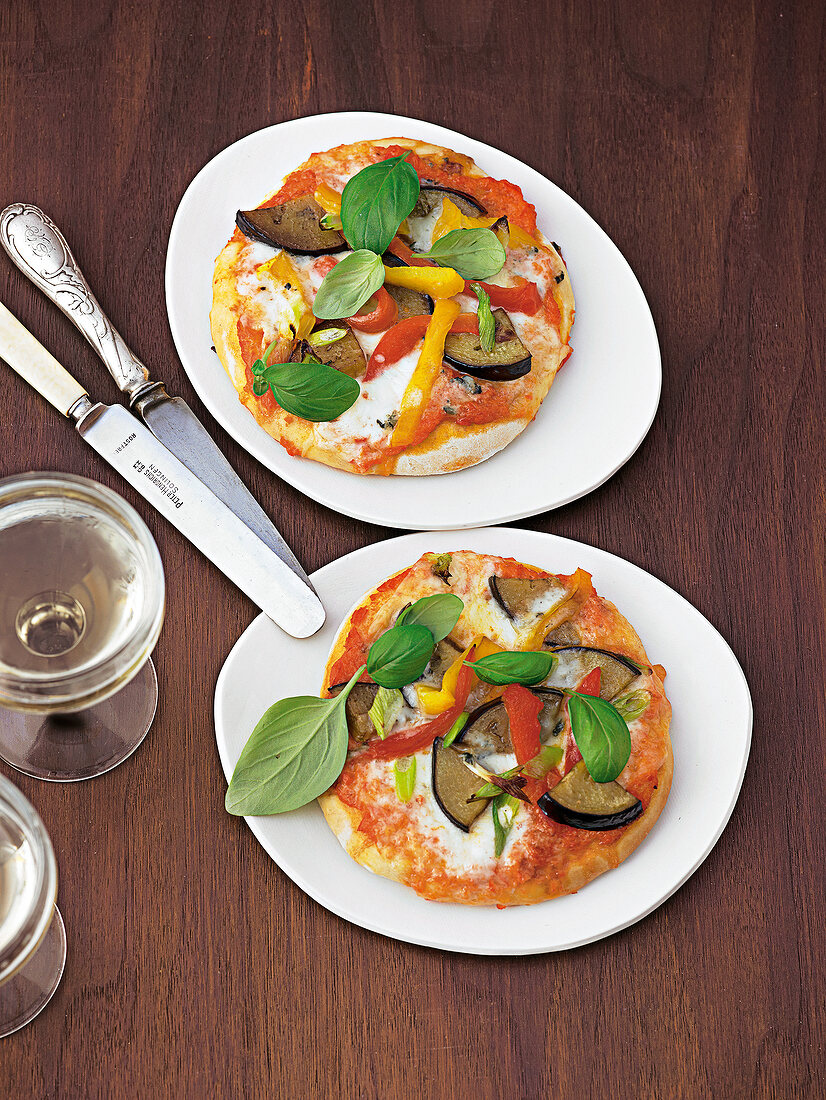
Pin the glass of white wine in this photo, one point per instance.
(32, 938)
(81, 607)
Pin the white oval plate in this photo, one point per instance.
(597, 413)
(710, 731)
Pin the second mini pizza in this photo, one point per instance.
(464, 310)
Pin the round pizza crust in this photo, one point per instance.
(450, 446)
(524, 878)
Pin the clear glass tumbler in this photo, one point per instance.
(32, 937)
(81, 607)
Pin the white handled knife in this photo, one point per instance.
(168, 485)
(38, 248)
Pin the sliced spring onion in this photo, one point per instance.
(330, 221)
(386, 706)
(504, 808)
(325, 336)
(456, 729)
(404, 772)
(632, 705)
(548, 757)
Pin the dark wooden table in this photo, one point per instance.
(695, 135)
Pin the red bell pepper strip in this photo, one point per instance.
(406, 742)
(383, 314)
(523, 708)
(403, 337)
(591, 683)
(523, 297)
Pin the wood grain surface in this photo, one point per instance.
(694, 134)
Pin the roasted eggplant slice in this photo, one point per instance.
(521, 596)
(293, 225)
(510, 359)
(356, 709)
(563, 635)
(576, 661)
(549, 715)
(444, 655)
(345, 354)
(579, 801)
(411, 303)
(487, 731)
(431, 194)
(453, 784)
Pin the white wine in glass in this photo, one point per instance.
(81, 607)
(32, 938)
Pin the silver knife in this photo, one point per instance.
(168, 485)
(38, 248)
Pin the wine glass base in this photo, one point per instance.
(28, 991)
(63, 748)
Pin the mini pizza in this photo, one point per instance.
(443, 370)
(481, 792)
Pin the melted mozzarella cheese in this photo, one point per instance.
(369, 419)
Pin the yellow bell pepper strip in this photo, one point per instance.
(437, 700)
(327, 198)
(427, 369)
(451, 217)
(281, 272)
(438, 282)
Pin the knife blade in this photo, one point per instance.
(37, 247)
(169, 486)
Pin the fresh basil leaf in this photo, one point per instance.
(632, 705)
(456, 729)
(474, 253)
(438, 613)
(400, 655)
(376, 201)
(325, 336)
(504, 809)
(487, 325)
(295, 752)
(260, 365)
(601, 735)
(513, 668)
(311, 389)
(347, 286)
(259, 387)
(404, 773)
(386, 705)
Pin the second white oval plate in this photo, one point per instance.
(710, 732)
(598, 411)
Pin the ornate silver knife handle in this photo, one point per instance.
(39, 249)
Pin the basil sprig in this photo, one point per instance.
(311, 389)
(347, 286)
(376, 201)
(474, 253)
(299, 746)
(601, 734)
(487, 325)
(438, 613)
(502, 669)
